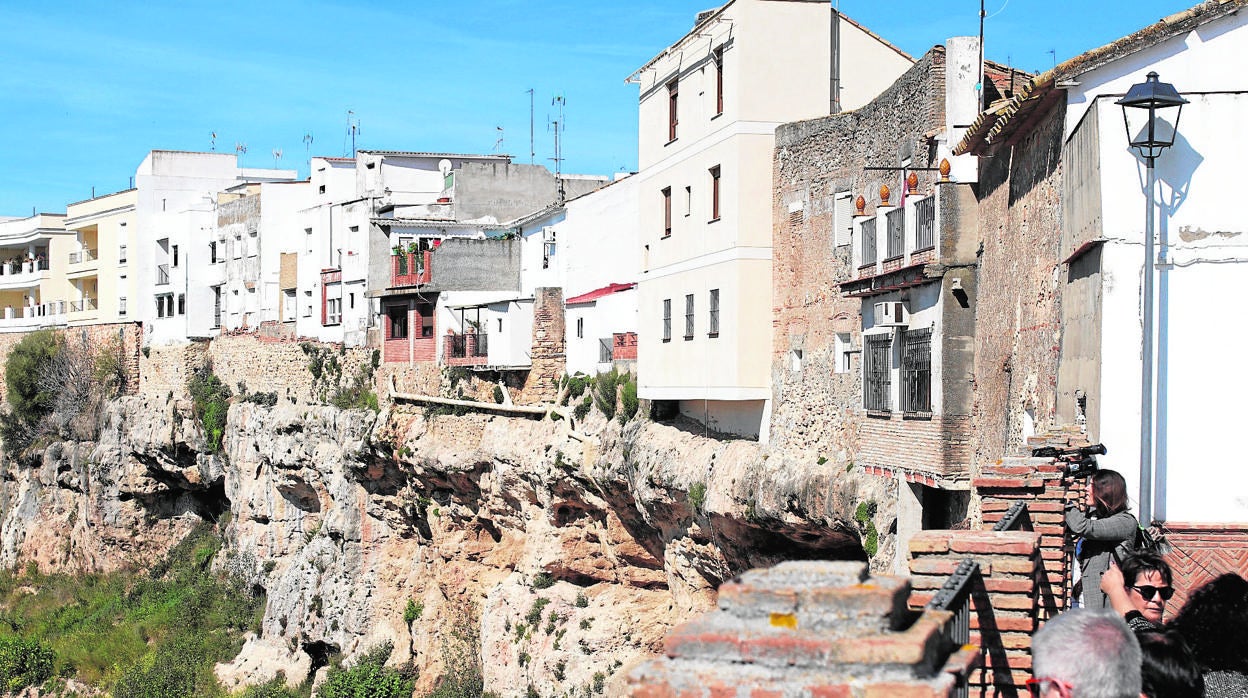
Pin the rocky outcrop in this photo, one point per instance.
(571, 551)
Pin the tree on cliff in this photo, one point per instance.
(30, 400)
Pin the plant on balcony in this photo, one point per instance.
(396, 250)
(412, 248)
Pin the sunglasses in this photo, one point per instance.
(1039, 687)
(1148, 590)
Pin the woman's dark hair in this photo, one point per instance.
(1142, 561)
(1168, 668)
(1110, 491)
(1214, 623)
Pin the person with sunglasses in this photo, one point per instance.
(1084, 653)
(1139, 589)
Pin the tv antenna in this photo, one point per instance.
(498, 144)
(307, 144)
(353, 129)
(212, 135)
(240, 149)
(532, 152)
(559, 125)
(277, 156)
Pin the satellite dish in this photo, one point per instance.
(444, 166)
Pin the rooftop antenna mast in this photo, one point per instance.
(498, 144)
(353, 129)
(307, 144)
(532, 151)
(277, 156)
(979, 86)
(240, 149)
(559, 125)
(212, 135)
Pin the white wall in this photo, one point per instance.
(602, 318)
(1206, 480)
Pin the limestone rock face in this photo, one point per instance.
(561, 556)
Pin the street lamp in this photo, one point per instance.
(1145, 111)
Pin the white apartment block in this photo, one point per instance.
(709, 106)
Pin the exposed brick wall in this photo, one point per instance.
(1201, 552)
(624, 346)
(1018, 304)
(1003, 607)
(548, 355)
(130, 334)
(817, 629)
(469, 358)
(939, 445)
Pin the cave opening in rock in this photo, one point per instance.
(212, 502)
(320, 652)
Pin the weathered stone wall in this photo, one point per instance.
(549, 355)
(130, 334)
(1018, 305)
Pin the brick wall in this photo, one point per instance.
(1018, 304)
(938, 446)
(1003, 604)
(624, 346)
(1201, 552)
(548, 355)
(130, 334)
(817, 629)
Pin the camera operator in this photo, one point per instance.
(1104, 525)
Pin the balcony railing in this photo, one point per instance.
(81, 306)
(15, 267)
(82, 256)
(471, 348)
(162, 275)
(411, 269)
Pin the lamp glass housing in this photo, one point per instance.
(1150, 112)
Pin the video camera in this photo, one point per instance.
(1076, 462)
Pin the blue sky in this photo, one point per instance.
(88, 88)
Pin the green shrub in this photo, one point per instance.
(697, 495)
(29, 400)
(605, 392)
(461, 657)
(273, 688)
(23, 663)
(262, 399)
(211, 400)
(582, 408)
(863, 514)
(370, 677)
(582, 601)
(534, 615)
(628, 399)
(498, 394)
(821, 460)
(576, 386)
(543, 580)
(413, 611)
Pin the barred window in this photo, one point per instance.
(896, 221)
(667, 319)
(916, 371)
(689, 316)
(877, 360)
(868, 242)
(925, 223)
(713, 323)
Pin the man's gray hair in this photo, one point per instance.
(1094, 651)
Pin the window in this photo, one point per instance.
(580, 328)
(925, 223)
(896, 221)
(842, 351)
(321, 189)
(718, 57)
(688, 200)
(213, 257)
(673, 91)
(604, 350)
(288, 305)
(253, 243)
(548, 253)
(216, 306)
(916, 371)
(795, 360)
(715, 193)
(426, 319)
(121, 306)
(181, 304)
(842, 218)
(121, 254)
(351, 300)
(689, 316)
(397, 324)
(877, 367)
(500, 324)
(333, 311)
(164, 305)
(238, 247)
(667, 319)
(174, 255)
(713, 322)
(868, 242)
(667, 212)
(307, 237)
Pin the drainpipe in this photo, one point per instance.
(834, 73)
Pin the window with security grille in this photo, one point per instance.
(667, 319)
(925, 223)
(877, 366)
(896, 222)
(868, 242)
(689, 316)
(916, 371)
(713, 321)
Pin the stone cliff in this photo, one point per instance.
(571, 549)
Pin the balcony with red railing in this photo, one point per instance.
(411, 269)
(470, 349)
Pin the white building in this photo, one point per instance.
(708, 110)
(177, 266)
(32, 295)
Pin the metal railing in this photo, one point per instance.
(1013, 518)
(868, 242)
(82, 305)
(606, 345)
(925, 223)
(916, 371)
(877, 384)
(82, 256)
(896, 222)
(955, 596)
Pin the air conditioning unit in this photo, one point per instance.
(548, 234)
(891, 314)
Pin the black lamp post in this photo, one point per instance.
(1145, 111)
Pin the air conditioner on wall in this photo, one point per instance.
(891, 314)
(548, 234)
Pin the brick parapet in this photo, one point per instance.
(938, 445)
(1004, 601)
(816, 629)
